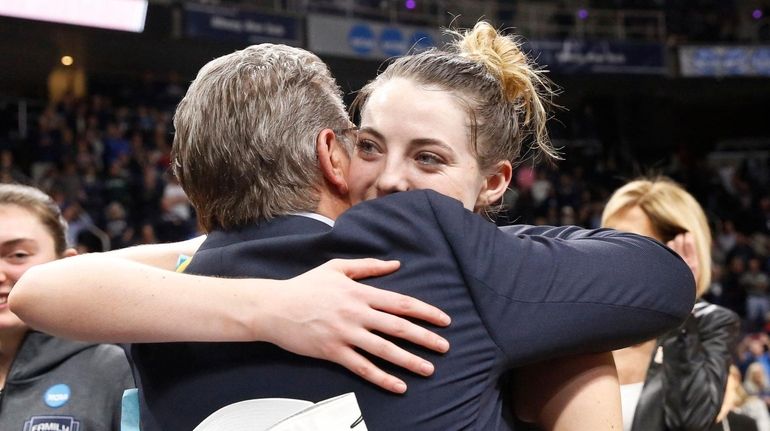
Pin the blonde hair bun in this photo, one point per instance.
(522, 83)
(501, 55)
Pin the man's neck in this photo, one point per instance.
(331, 205)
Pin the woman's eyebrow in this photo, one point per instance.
(372, 131)
(16, 241)
(422, 142)
(417, 142)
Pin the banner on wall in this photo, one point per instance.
(595, 56)
(125, 15)
(363, 39)
(223, 23)
(705, 61)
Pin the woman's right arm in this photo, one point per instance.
(164, 256)
(322, 313)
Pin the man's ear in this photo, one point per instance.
(495, 184)
(333, 160)
(69, 252)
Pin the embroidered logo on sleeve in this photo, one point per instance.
(52, 423)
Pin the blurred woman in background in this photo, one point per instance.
(48, 382)
(677, 381)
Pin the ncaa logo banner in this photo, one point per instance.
(52, 423)
(356, 38)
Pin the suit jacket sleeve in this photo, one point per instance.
(547, 292)
(696, 362)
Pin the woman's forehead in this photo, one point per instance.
(17, 222)
(401, 108)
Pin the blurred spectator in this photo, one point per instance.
(746, 404)
(726, 238)
(756, 382)
(752, 349)
(8, 172)
(117, 227)
(117, 184)
(764, 215)
(740, 411)
(733, 295)
(755, 283)
(176, 216)
(69, 181)
(116, 147)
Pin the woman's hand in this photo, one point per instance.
(684, 245)
(324, 314)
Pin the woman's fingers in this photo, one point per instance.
(387, 350)
(406, 306)
(363, 268)
(364, 368)
(391, 302)
(404, 329)
(684, 245)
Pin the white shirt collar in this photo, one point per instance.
(319, 217)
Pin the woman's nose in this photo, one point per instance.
(392, 179)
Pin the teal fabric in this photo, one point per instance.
(129, 417)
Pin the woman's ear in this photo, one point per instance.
(333, 160)
(495, 184)
(69, 252)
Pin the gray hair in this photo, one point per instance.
(244, 148)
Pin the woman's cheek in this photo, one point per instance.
(359, 180)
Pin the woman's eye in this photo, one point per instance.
(429, 159)
(366, 146)
(18, 257)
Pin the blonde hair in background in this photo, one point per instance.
(671, 210)
(740, 394)
(756, 369)
(505, 94)
(244, 148)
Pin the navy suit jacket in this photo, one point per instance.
(515, 296)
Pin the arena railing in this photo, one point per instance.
(535, 19)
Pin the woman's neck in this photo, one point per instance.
(10, 341)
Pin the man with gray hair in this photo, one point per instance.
(244, 149)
